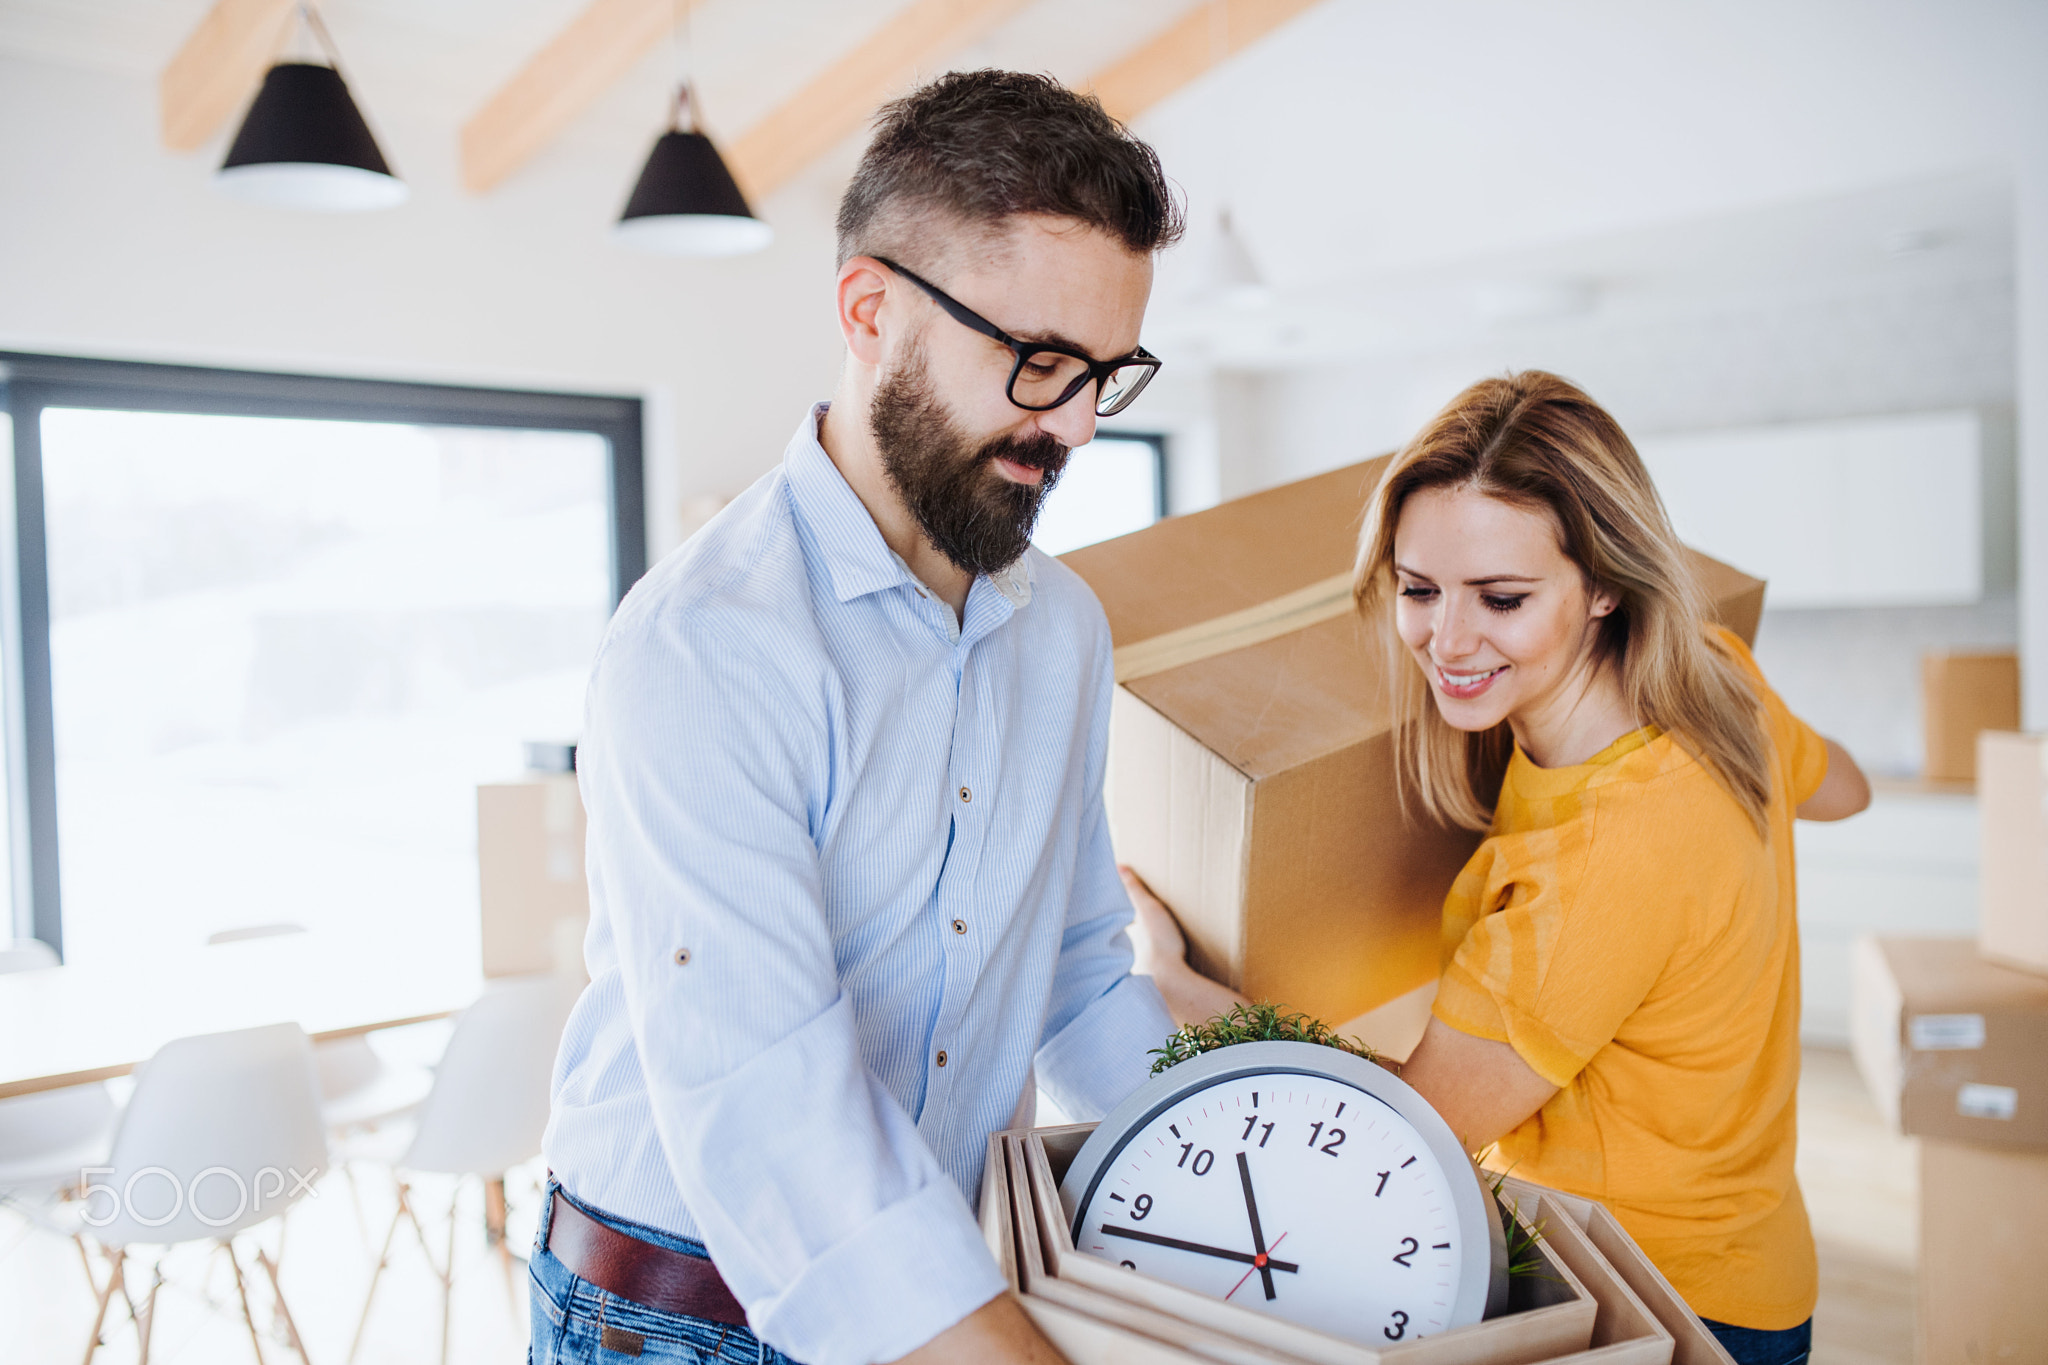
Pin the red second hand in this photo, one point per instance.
(1257, 1263)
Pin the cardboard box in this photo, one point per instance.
(1962, 695)
(1951, 1046)
(529, 853)
(1251, 756)
(1691, 1342)
(1551, 1317)
(1982, 1211)
(2012, 800)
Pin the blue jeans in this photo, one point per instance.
(1751, 1346)
(576, 1323)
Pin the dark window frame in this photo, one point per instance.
(30, 383)
(1164, 467)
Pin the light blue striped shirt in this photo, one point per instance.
(850, 876)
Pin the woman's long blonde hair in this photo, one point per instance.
(1538, 442)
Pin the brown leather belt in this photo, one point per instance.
(649, 1275)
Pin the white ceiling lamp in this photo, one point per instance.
(1225, 271)
(304, 145)
(686, 202)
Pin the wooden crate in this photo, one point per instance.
(1555, 1322)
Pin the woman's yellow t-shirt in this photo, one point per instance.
(1629, 933)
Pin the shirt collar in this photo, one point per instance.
(857, 557)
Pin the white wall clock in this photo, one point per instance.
(1297, 1180)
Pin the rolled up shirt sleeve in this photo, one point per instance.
(816, 1196)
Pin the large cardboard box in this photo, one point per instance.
(1951, 1046)
(1982, 1211)
(529, 850)
(2012, 800)
(1962, 695)
(1251, 754)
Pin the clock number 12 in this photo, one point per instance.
(1329, 1148)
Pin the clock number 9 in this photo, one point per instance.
(1142, 1207)
(1399, 1328)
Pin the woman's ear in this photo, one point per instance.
(1605, 600)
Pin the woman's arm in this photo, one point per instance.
(1482, 1088)
(1162, 954)
(1844, 792)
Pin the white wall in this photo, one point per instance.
(111, 246)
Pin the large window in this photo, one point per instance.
(274, 631)
(1114, 485)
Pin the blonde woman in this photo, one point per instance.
(1619, 1006)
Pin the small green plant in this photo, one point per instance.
(1260, 1023)
(1522, 1238)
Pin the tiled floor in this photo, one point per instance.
(1858, 1179)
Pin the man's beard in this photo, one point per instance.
(968, 510)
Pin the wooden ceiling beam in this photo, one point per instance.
(1202, 40)
(218, 69)
(916, 40)
(562, 80)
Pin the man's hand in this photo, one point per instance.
(997, 1332)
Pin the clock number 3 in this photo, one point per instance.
(1399, 1328)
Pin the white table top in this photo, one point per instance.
(65, 1025)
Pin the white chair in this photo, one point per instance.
(485, 1115)
(223, 1133)
(358, 1088)
(47, 1138)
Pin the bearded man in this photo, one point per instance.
(850, 874)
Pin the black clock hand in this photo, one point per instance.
(1242, 1256)
(1251, 1207)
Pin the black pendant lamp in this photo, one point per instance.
(304, 144)
(686, 202)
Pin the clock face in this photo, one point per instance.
(1297, 1194)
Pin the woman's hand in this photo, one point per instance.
(1161, 952)
(1156, 936)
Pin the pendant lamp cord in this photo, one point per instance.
(320, 34)
(683, 117)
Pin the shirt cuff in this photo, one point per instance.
(1106, 1051)
(1464, 1002)
(906, 1275)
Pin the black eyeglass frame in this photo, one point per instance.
(1098, 371)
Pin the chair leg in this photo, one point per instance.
(448, 1274)
(242, 1292)
(383, 1259)
(99, 1319)
(284, 1312)
(156, 1282)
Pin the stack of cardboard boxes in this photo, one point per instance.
(1952, 1037)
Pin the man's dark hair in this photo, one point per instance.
(982, 146)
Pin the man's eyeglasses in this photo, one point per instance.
(1046, 376)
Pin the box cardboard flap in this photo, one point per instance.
(1278, 557)
(1186, 570)
(1947, 976)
